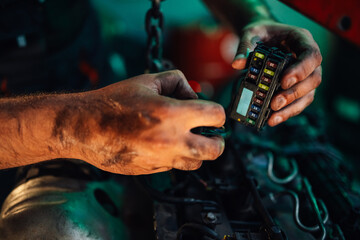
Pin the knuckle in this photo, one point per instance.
(311, 99)
(170, 76)
(317, 81)
(296, 112)
(302, 71)
(311, 96)
(292, 94)
(178, 73)
(316, 78)
(306, 32)
(248, 30)
(316, 54)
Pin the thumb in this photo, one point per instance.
(247, 44)
(174, 84)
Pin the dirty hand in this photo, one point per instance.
(142, 125)
(301, 79)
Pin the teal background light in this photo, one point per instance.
(337, 98)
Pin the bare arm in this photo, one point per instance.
(253, 22)
(129, 127)
(26, 129)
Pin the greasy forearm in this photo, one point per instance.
(127, 127)
(33, 129)
(238, 13)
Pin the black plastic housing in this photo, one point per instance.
(264, 68)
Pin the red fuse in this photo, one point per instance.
(252, 76)
(258, 101)
(271, 64)
(260, 94)
(266, 80)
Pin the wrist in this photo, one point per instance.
(28, 129)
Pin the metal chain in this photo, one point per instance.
(154, 22)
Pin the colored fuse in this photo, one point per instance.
(269, 72)
(260, 94)
(250, 121)
(254, 70)
(262, 86)
(259, 55)
(255, 108)
(271, 64)
(258, 101)
(266, 80)
(253, 115)
(252, 76)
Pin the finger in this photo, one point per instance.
(174, 84)
(142, 171)
(247, 44)
(203, 148)
(198, 113)
(187, 164)
(157, 170)
(292, 110)
(297, 91)
(309, 58)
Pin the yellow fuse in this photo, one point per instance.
(259, 55)
(266, 88)
(267, 71)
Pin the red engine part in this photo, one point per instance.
(341, 17)
(204, 55)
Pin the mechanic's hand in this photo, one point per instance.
(135, 127)
(300, 79)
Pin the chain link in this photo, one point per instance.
(154, 23)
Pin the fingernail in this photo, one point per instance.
(277, 120)
(291, 82)
(280, 102)
(239, 63)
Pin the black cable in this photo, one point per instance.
(273, 230)
(161, 197)
(199, 228)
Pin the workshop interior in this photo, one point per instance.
(299, 180)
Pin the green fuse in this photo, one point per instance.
(267, 71)
(266, 88)
(259, 55)
(250, 121)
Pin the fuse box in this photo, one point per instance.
(265, 65)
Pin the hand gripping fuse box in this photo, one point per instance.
(251, 105)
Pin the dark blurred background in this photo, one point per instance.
(203, 50)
